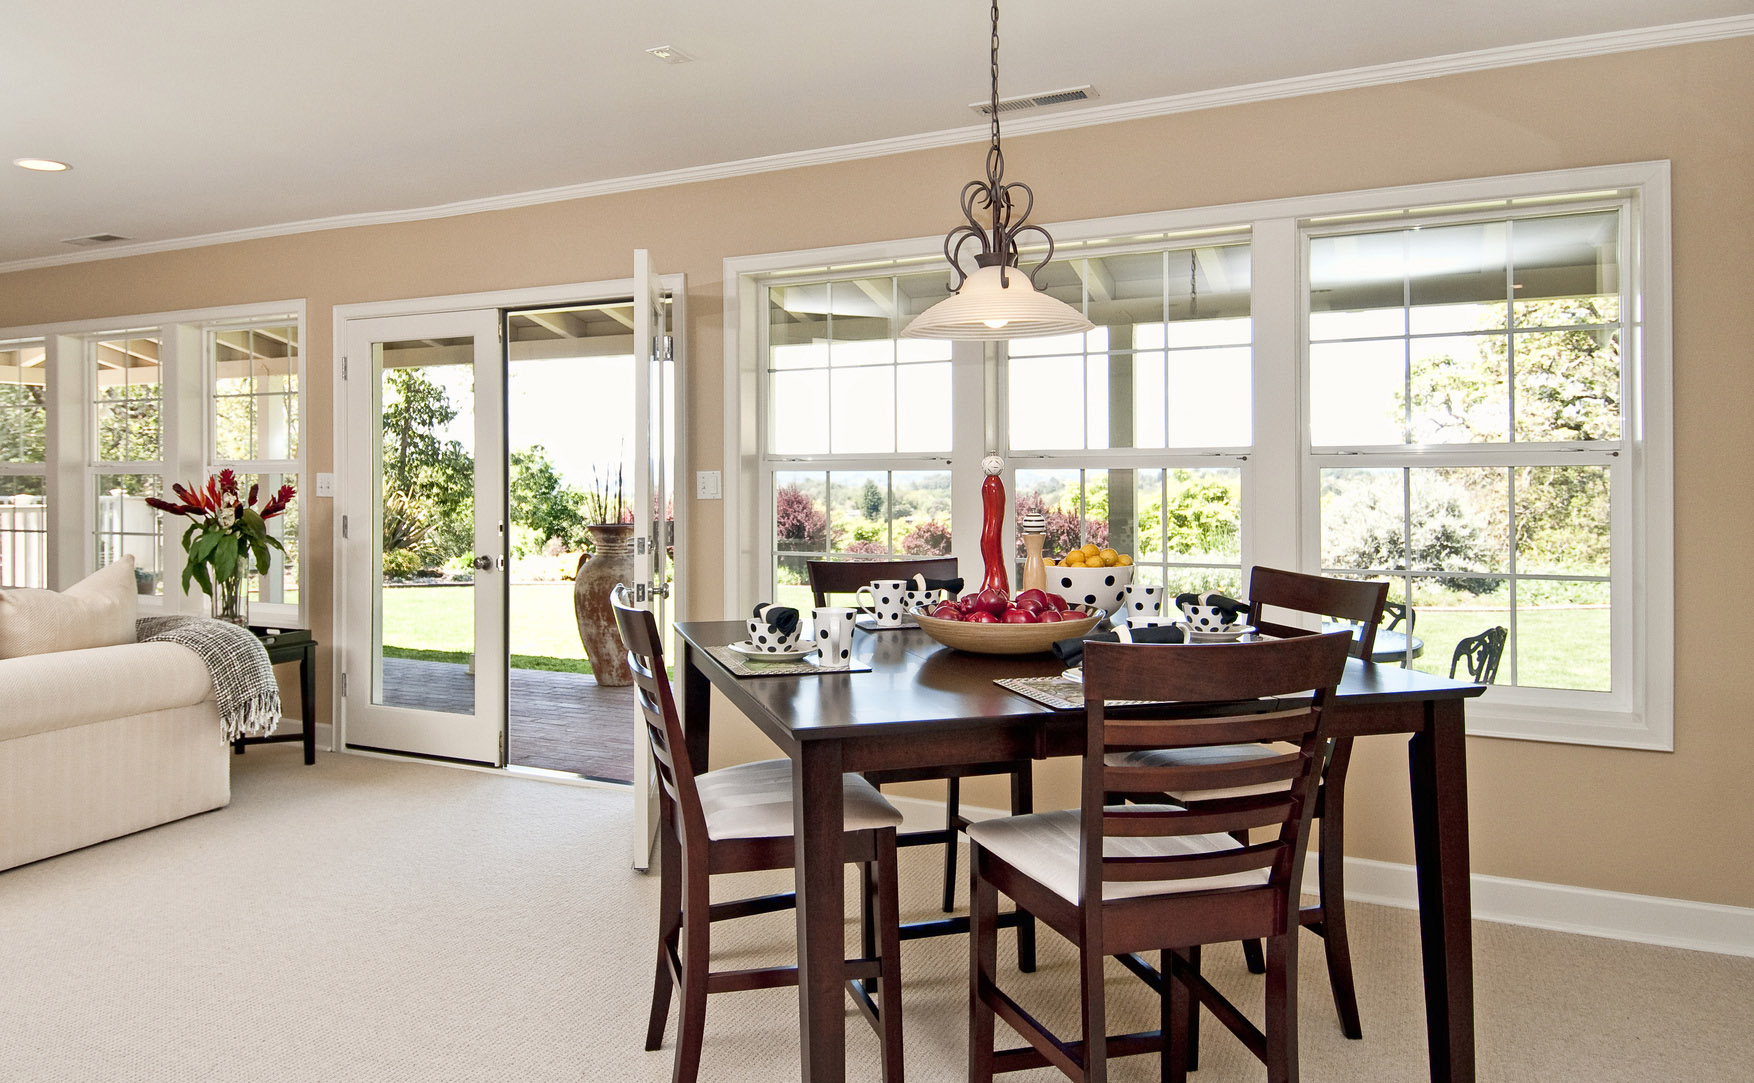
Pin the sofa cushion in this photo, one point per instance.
(45, 692)
(97, 611)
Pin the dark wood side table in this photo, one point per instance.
(291, 645)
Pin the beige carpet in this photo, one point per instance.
(372, 920)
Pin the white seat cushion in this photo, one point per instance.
(754, 801)
(1044, 847)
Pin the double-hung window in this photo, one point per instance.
(1460, 388)
(24, 416)
(253, 429)
(126, 464)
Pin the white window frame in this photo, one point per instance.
(1279, 526)
(40, 470)
(72, 438)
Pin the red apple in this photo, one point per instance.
(1057, 603)
(1030, 605)
(981, 616)
(993, 600)
(1048, 616)
(1018, 616)
(1033, 594)
(967, 603)
(947, 611)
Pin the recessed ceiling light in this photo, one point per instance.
(669, 54)
(41, 165)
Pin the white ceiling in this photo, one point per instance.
(214, 119)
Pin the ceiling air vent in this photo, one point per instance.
(94, 239)
(1036, 101)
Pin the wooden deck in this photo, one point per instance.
(559, 721)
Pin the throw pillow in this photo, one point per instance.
(97, 611)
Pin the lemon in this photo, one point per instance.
(1089, 549)
(1123, 561)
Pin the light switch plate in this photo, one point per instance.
(325, 484)
(706, 485)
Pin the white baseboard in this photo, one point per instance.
(1615, 915)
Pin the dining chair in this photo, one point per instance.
(846, 576)
(1121, 880)
(1361, 604)
(1481, 653)
(739, 819)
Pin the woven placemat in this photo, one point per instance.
(1056, 692)
(870, 624)
(741, 665)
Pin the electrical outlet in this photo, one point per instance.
(706, 485)
(325, 484)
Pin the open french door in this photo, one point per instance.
(426, 409)
(654, 395)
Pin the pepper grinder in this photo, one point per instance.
(1034, 528)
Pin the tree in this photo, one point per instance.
(929, 539)
(1363, 528)
(437, 476)
(800, 524)
(543, 503)
(871, 500)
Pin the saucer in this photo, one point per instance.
(750, 650)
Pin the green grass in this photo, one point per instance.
(427, 622)
(518, 661)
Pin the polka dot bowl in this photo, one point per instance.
(1101, 588)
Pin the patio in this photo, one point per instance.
(559, 721)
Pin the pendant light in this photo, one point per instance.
(999, 300)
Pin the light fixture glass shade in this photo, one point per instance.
(985, 311)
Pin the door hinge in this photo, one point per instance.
(641, 545)
(344, 526)
(669, 348)
(639, 592)
(344, 685)
(344, 368)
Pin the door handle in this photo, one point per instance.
(482, 564)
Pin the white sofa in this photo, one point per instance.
(105, 742)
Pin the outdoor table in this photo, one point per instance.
(921, 704)
(1390, 646)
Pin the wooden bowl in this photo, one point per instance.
(1007, 638)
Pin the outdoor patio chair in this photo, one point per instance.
(739, 819)
(1481, 654)
(1120, 880)
(846, 576)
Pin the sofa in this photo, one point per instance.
(102, 741)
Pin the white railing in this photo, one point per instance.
(24, 542)
(126, 526)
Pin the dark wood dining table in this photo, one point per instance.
(921, 704)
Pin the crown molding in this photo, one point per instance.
(1376, 75)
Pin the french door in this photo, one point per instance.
(425, 660)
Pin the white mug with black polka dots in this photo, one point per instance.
(834, 635)
(1143, 602)
(888, 601)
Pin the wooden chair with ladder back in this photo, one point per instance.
(847, 576)
(1121, 880)
(739, 819)
(1360, 604)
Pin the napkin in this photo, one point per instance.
(1071, 651)
(1233, 609)
(783, 619)
(954, 586)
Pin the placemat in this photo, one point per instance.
(1056, 692)
(870, 624)
(743, 666)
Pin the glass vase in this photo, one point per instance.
(231, 596)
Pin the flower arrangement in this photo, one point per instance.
(229, 534)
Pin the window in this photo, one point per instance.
(1461, 388)
(253, 427)
(127, 462)
(24, 417)
(1466, 391)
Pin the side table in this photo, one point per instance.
(291, 645)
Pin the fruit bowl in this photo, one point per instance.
(1008, 638)
(1101, 588)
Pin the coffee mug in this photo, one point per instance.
(1141, 601)
(1208, 618)
(888, 601)
(834, 635)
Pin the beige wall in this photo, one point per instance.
(1654, 823)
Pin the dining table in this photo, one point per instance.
(920, 704)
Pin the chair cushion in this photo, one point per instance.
(1202, 756)
(754, 801)
(1044, 847)
(97, 611)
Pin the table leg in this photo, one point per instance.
(1438, 766)
(307, 700)
(697, 702)
(817, 825)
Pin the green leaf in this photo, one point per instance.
(225, 562)
(261, 556)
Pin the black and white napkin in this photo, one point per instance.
(953, 585)
(782, 619)
(1071, 651)
(1232, 609)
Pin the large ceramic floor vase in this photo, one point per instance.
(612, 563)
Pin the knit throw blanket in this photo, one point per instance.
(243, 678)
